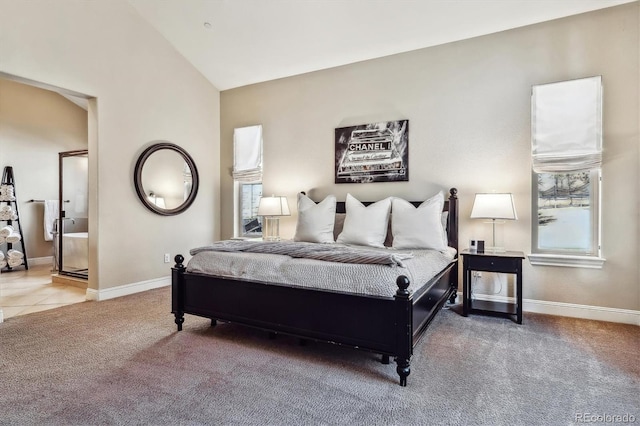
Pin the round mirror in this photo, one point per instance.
(166, 179)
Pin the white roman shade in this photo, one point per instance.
(247, 153)
(566, 126)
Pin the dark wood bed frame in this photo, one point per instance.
(390, 326)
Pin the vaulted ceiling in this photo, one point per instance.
(239, 42)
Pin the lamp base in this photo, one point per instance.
(497, 237)
(271, 229)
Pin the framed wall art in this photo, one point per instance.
(376, 152)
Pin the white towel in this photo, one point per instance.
(14, 254)
(3, 263)
(51, 211)
(14, 237)
(1, 255)
(14, 262)
(6, 231)
(6, 193)
(7, 213)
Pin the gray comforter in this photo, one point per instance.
(371, 279)
(301, 250)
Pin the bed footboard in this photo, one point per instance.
(388, 326)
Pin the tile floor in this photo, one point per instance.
(23, 292)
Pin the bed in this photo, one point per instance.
(390, 325)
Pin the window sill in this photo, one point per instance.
(592, 262)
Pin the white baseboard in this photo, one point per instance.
(124, 290)
(598, 313)
(47, 260)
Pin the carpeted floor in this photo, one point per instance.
(122, 362)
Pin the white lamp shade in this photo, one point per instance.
(273, 206)
(494, 206)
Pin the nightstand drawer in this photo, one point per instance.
(494, 264)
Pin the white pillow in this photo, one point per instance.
(315, 221)
(445, 235)
(365, 226)
(418, 228)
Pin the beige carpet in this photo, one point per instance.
(122, 362)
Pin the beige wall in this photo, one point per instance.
(145, 91)
(469, 109)
(35, 125)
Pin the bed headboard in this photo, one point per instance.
(450, 205)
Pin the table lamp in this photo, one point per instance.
(272, 208)
(498, 208)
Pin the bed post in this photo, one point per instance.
(453, 240)
(404, 328)
(177, 290)
(452, 226)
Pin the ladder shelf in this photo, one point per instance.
(10, 234)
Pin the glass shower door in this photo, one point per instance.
(73, 237)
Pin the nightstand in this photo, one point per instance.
(509, 262)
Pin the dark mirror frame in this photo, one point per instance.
(137, 178)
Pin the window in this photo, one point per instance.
(567, 206)
(566, 146)
(249, 197)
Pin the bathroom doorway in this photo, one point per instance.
(73, 221)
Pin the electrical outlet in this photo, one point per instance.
(167, 258)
